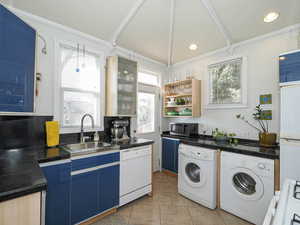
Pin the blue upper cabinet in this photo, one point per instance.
(17, 63)
(289, 67)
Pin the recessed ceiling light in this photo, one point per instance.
(193, 47)
(270, 17)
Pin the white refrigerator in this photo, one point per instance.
(290, 133)
(290, 116)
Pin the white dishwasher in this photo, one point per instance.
(135, 173)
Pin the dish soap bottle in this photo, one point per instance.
(96, 137)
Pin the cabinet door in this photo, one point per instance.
(17, 63)
(84, 203)
(109, 187)
(127, 86)
(58, 193)
(168, 156)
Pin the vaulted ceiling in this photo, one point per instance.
(145, 26)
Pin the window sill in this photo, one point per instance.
(146, 133)
(69, 130)
(225, 106)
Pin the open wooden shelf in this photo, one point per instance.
(179, 116)
(189, 91)
(178, 95)
(179, 106)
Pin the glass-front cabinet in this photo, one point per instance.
(121, 86)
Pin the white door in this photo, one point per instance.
(289, 160)
(290, 111)
(148, 116)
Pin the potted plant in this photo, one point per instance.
(221, 136)
(266, 139)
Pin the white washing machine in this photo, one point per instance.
(247, 185)
(197, 174)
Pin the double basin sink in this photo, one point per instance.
(90, 147)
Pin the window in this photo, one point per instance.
(146, 113)
(80, 86)
(149, 79)
(226, 83)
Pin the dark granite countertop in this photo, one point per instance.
(246, 147)
(20, 173)
(131, 143)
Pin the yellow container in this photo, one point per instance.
(52, 131)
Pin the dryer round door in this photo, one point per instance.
(193, 173)
(247, 184)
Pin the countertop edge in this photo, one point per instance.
(20, 192)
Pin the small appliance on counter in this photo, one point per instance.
(184, 129)
(116, 129)
(119, 131)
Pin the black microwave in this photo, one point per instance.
(184, 129)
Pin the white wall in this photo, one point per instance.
(47, 103)
(262, 75)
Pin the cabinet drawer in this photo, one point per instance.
(79, 164)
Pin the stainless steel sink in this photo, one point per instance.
(89, 147)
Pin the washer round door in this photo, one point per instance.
(193, 173)
(247, 184)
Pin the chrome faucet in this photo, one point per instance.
(82, 138)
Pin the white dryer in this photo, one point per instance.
(197, 174)
(247, 185)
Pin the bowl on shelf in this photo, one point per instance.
(186, 112)
(172, 113)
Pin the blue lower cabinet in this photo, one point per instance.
(58, 193)
(85, 194)
(109, 187)
(170, 154)
(95, 186)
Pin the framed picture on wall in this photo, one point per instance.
(227, 86)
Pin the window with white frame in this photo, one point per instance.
(146, 105)
(227, 86)
(146, 112)
(80, 86)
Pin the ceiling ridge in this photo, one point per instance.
(221, 27)
(171, 33)
(133, 11)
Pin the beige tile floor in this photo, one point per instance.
(167, 207)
